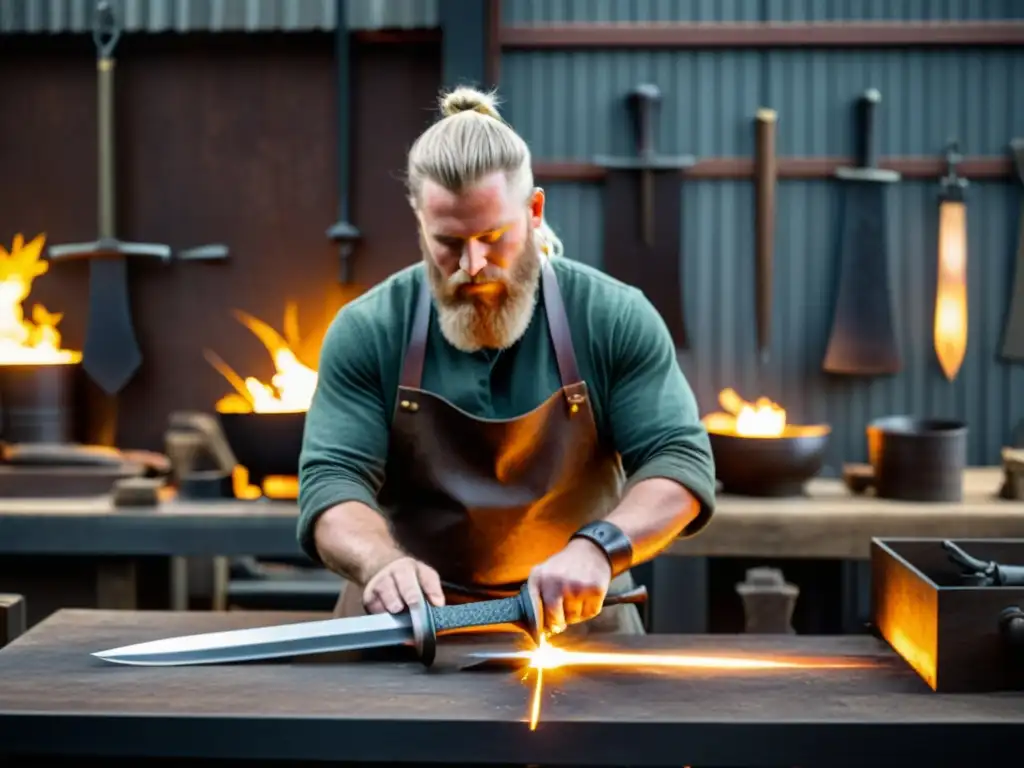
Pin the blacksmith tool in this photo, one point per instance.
(863, 338)
(111, 355)
(652, 261)
(1013, 335)
(765, 171)
(949, 330)
(978, 573)
(419, 626)
(343, 232)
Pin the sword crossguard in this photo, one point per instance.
(108, 247)
(208, 252)
(346, 235)
(953, 185)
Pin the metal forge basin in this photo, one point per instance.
(769, 466)
(266, 444)
(959, 633)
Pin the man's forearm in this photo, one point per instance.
(652, 514)
(354, 541)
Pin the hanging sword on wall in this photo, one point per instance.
(111, 355)
(643, 202)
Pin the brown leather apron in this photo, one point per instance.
(483, 501)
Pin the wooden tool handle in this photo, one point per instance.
(765, 171)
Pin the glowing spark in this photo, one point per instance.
(547, 656)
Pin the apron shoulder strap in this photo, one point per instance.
(412, 367)
(558, 329)
(558, 326)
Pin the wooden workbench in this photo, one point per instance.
(56, 699)
(831, 522)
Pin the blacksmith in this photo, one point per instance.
(499, 413)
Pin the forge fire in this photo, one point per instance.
(758, 452)
(292, 385)
(23, 340)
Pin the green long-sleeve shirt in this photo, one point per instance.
(642, 403)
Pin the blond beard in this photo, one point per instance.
(470, 323)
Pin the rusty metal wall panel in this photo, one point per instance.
(569, 107)
(74, 16)
(528, 12)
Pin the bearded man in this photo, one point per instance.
(497, 414)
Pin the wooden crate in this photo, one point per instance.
(953, 634)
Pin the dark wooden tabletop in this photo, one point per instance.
(55, 697)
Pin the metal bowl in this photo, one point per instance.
(265, 444)
(769, 466)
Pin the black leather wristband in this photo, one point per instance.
(613, 542)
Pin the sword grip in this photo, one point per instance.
(867, 133)
(484, 613)
(643, 102)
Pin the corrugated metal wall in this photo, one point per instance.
(563, 11)
(57, 16)
(569, 106)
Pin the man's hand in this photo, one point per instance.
(397, 585)
(571, 584)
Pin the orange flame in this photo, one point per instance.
(291, 387)
(22, 341)
(759, 419)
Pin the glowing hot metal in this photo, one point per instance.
(547, 656)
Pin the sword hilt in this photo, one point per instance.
(867, 132)
(643, 102)
(521, 610)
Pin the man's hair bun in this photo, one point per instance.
(469, 100)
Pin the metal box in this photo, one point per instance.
(957, 635)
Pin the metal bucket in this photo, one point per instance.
(37, 403)
(917, 459)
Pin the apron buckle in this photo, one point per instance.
(575, 401)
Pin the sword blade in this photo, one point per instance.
(305, 638)
(863, 335)
(647, 206)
